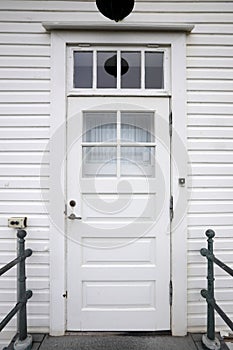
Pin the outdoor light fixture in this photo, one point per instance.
(111, 66)
(115, 9)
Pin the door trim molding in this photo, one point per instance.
(153, 27)
(59, 41)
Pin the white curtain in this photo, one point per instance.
(101, 127)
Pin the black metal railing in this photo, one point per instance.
(23, 340)
(209, 340)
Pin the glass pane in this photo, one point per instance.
(99, 127)
(154, 77)
(99, 161)
(137, 127)
(106, 69)
(138, 161)
(83, 69)
(131, 77)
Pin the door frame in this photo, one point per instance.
(63, 34)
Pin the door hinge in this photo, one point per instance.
(170, 123)
(65, 295)
(171, 208)
(170, 292)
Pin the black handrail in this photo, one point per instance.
(24, 340)
(209, 340)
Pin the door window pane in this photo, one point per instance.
(138, 161)
(99, 127)
(106, 69)
(137, 127)
(83, 69)
(131, 77)
(99, 161)
(154, 77)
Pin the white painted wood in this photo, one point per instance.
(209, 52)
(179, 310)
(211, 85)
(40, 39)
(25, 133)
(144, 7)
(210, 73)
(208, 120)
(24, 61)
(17, 194)
(23, 183)
(24, 50)
(71, 25)
(126, 286)
(25, 108)
(25, 85)
(26, 73)
(57, 322)
(22, 97)
(29, 121)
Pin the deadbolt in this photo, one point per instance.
(72, 203)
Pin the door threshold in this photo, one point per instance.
(119, 333)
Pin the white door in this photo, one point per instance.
(118, 225)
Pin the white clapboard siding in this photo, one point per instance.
(24, 137)
(14, 61)
(19, 121)
(210, 194)
(24, 85)
(211, 181)
(24, 194)
(209, 74)
(25, 73)
(24, 183)
(208, 120)
(24, 161)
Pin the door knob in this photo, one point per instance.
(74, 217)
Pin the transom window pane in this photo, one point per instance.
(131, 70)
(83, 69)
(154, 77)
(106, 69)
(119, 69)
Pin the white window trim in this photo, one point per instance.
(71, 91)
(175, 36)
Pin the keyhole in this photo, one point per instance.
(72, 203)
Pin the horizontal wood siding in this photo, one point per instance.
(210, 136)
(24, 128)
(24, 161)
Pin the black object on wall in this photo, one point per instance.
(115, 9)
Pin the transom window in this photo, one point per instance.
(126, 69)
(118, 144)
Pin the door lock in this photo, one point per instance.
(72, 203)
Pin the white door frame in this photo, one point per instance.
(63, 34)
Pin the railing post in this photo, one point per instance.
(209, 340)
(24, 341)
